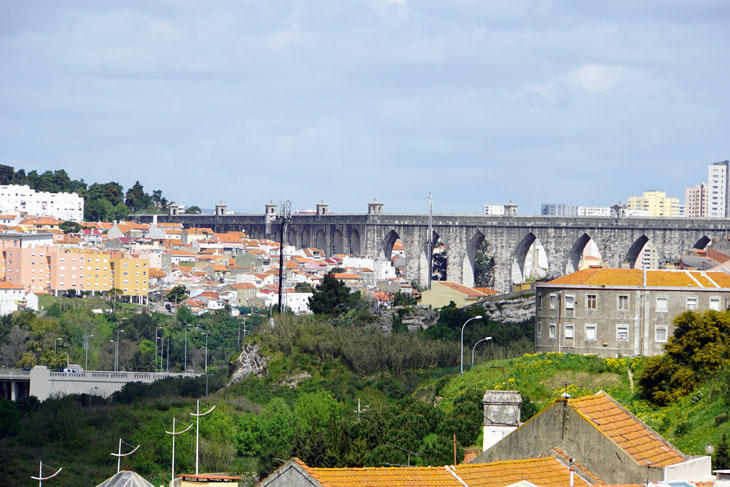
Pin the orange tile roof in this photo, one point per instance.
(603, 277)
(219, 268)
(345, 275)
(157, 273)
(628, 432)
(546, 472)
(471, 292)
(486, 290)
(10, 285)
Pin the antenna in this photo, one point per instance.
(119, 453)
(197, 415)
(174, 434)
(430, 238)
(41, 478)
(359, 411)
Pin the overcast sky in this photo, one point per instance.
(345, 100)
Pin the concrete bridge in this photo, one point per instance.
(619, 239)
(43, 383)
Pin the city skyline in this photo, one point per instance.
(474, 102)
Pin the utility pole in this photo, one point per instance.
(284, 218)
(41, 478)
(119, 454)
(197, 415)
(174, 434)
(430, 238)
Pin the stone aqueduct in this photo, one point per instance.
(563, 238)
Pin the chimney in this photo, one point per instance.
(501, 415)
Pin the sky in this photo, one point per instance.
(477, 102)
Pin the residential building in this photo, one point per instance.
(695, 201)
(20, 198)
(545, 472)
(26, 260)
(605, 443)
(131, 276)
(81, 270)
(443, 292)
(559, 209)
(718, 189)
(612, 312)
(11, 296)
(594, 211)
(656, 203)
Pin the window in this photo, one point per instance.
(553, 301)
(622, 333)
(569, 301)
(569, 331)
(553, 329)
(623, 303)
(538, 331)
(692, 304)
(590, 332)
(591, 301)
(660, 334)
(715, 303)
(661, 304)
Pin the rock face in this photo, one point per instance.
(415, 318)
(249, 362)
(509, 309)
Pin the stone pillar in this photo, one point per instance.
(375, 207)
(322, 208)
(13, 391)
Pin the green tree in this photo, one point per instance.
(136, 198)
(700, 346)
(439, 450)
(176, 294)
(484, 266)
(98, 210)
(9, 418)
(144, 357)
(184, 315)
(6, 174)
(70, 227)
(332, 297)
(119, 212)
(303, 287)
(112, 192)
(193, 210)
(721, 459)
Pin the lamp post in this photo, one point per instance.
(206, 363)
(461, 368)
(485, 339)
(156, 338)
(86, 363)
(55, 345)
(116, 351)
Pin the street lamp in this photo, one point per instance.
(461, 369)
(485, 339)
(116, 351)
(55, 345)
(206, 363)
(156, 338)
(86, 364)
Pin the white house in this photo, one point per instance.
(11, 295)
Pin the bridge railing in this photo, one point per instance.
(119, 376)
(12, 373)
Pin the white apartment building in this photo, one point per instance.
(16, 198)
(594, 211)
(718, 191)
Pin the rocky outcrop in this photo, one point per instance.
(294, 380)
(507, 309)
(249, 362)
(414, 318)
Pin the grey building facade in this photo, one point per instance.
(612, 312)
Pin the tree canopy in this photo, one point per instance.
(332, 297)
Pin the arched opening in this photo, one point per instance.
(305, 238)
(633, 254)
(354, 242)
(391, 256)
(478, 267)
(338, 244)
(320, 241)
(291, 236)
(702, 243)
(439, 259)
(530, 260)
(584, 254)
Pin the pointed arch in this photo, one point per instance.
(576, 253)
(338, 242)
(354, 242)
(469, 266)
(320, 241)
(291, 236)
(633, 254)
(305, 238)
(520, 254)
(386, 247)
